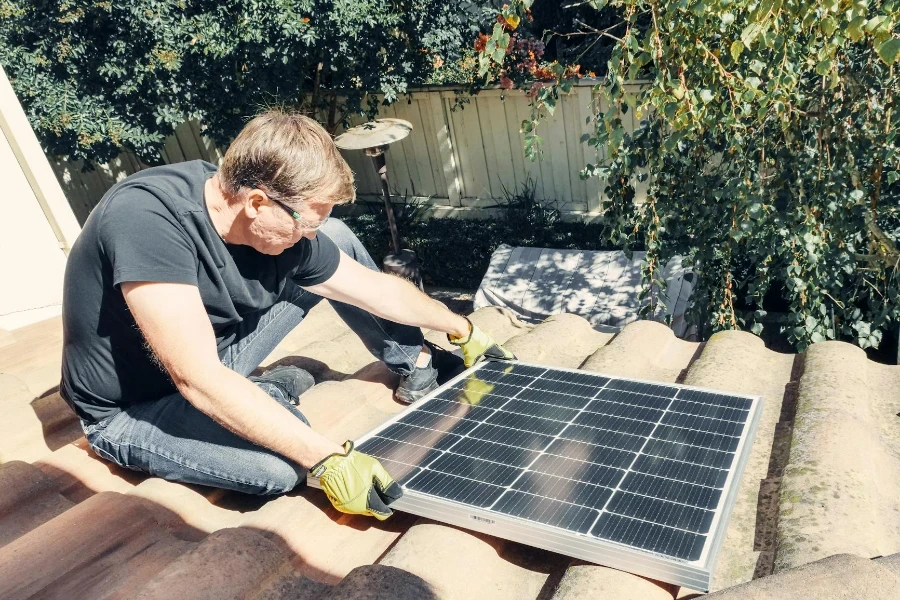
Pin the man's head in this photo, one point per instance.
(281, 176)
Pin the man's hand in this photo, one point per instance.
(357, 484)
(479, 344)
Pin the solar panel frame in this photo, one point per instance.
(695, 575)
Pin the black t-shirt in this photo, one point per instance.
(154, 226)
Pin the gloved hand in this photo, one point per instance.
(357, 484)
(477, 345)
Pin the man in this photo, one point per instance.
(184, 279)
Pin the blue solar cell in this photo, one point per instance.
(633, 463)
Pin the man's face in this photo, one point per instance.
(276, 227)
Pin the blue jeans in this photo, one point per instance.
(171, 439)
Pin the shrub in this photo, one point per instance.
(98, 76)
(456, 252)
(768, 132)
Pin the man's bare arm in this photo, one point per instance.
(390, 297)
(175, 325)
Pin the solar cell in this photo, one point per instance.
(639, 476)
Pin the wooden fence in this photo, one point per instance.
(457, 159)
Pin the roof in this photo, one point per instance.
(823, 480)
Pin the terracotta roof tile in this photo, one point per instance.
(28, 499)
(375, 582)
(108, 543)
(739, 362)
(79, 473)
(73, 526)
(226, 565)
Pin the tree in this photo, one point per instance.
(96, 76)
(769, 135)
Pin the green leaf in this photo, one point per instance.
(823, 67)
(750, 33)
(817, 337)
(889, 50)
(879, 23)
(736, 48)
(892, 177)
(706, 96)
(855, 29)
(828, 25)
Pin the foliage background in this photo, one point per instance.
(95, 76)
(769, 138)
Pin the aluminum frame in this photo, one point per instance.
(696, 575)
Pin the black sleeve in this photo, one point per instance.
(144, 241)
(318, 259)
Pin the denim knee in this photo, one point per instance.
(276, 475)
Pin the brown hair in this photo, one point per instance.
(290, 157)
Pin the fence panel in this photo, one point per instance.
(462, 157)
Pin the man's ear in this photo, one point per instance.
(253, 201)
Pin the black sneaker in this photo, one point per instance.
(442, 367)
(293, 381)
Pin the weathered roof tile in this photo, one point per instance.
(841, 489)
(643, 350)
(739, 362)
(583, 580)
(561, 341)
(142, 535)
(837, 577)
(460, 564)
(226, 565)
(376, 582)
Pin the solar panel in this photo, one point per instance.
(633, 475)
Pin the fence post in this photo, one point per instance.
(445, 145)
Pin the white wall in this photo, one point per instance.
(37, 226)
(31, 261)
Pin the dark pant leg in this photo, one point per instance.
(395, 344)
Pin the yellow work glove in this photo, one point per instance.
(477, 345)
(357, 484)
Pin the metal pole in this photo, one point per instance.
(378, 157)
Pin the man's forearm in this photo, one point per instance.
(237, 404)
